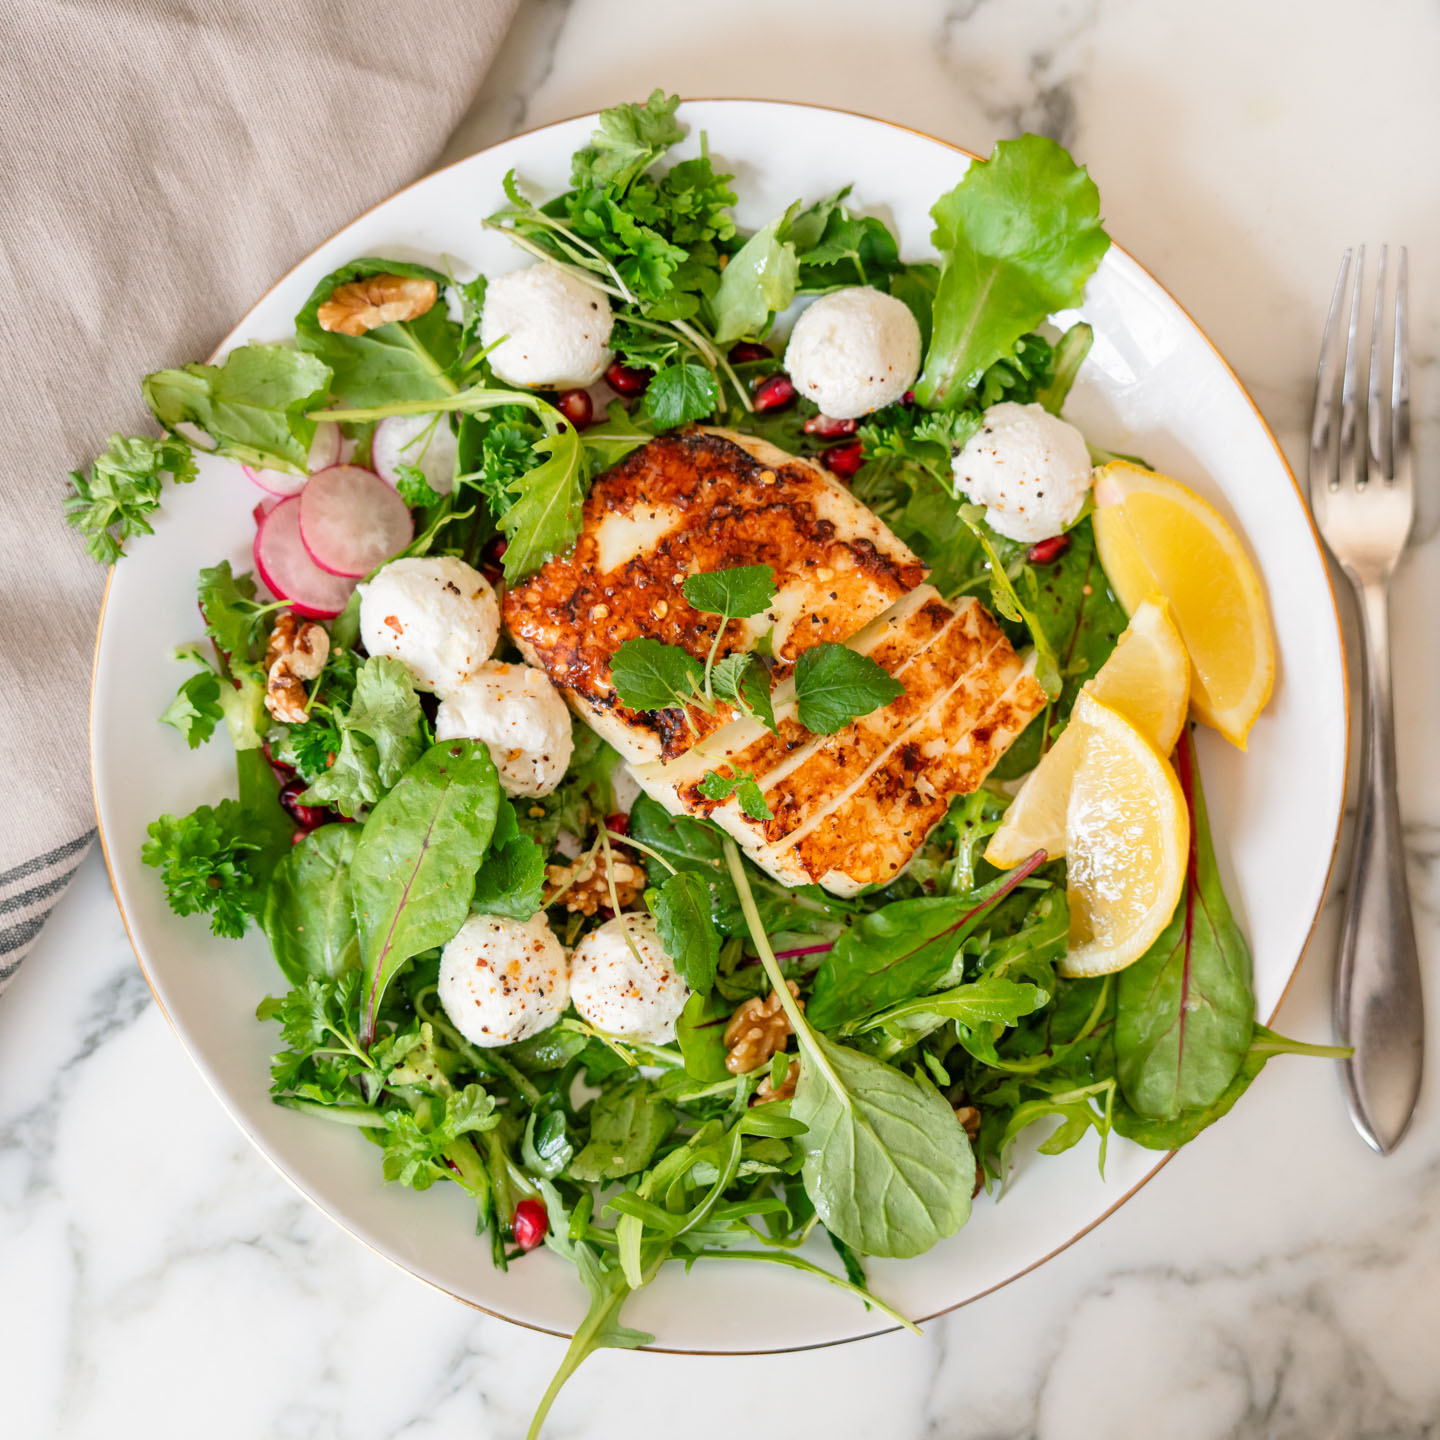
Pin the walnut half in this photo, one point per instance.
(296, 652)
(757, 1029)
(586, 888)
(376, 300)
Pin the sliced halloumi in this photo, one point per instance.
(685, 504)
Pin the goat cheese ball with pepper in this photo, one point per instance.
(854, 351)
(1028, 468)
(436, 615)
(503, 980)
(633, 993)
(554, 329)
(521, 718)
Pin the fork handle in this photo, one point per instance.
(1378, 1004)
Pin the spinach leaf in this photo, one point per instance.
(405, 360)
(415, 862)
(254, 408)
(760, 280)
(700, 1034)
(1172, 1133)
(1186, 1009)
(887, 1164)
(267, 825)
(1019, 235)
(834, 685)
(308, 917)
(682, 913)
(900, 950)
(627, 1125)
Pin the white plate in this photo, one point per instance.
(1153, 386)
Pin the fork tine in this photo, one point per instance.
(1324, 415)
(1351, 464)
(1376, 412)
(1400, 377)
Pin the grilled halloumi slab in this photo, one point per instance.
(681, 505)
(849, 809)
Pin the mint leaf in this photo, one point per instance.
(680, 394)
(834, 684)
(122, 490)
(743, 785)
(650, 675)
(254, 407)
(682, 914)
(736, 594)
(1020, 236)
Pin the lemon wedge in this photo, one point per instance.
(1147, 680)
(1157, 535)
(1127, 840)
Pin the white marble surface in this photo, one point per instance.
(157, 1278)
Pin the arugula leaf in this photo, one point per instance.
(405, 360)
(834, 685)
(195, 711)
(307, 916)
(743, 785)
(680, 394)
(512, 879)
(415, 862)
(206, 862)
(1186, 1010)
(627, 141)
(1069, 356)
(627, 1125)
(990, 1000)
(123, 488)
(650, 675)
(1171, 1134)
(681, 907)
(544, 517)
(901, 950)
(737, 593)
(760, 280)
(1020, 235)
(254, 408)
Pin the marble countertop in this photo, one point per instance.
(1276, 1279)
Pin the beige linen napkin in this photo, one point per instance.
(163, 162)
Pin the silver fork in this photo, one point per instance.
(1362, 495)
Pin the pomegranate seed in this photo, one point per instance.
(828, 429)
(283, 772)
(307, 817)
(619, 822)
(774, 392)
(1044, 551)
(530, 1224)
(575, 406)
(745, 351)
(626, 380)
(297, 836)
(908, 398)
(843, 460)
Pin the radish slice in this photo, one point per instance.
(351, 520)
(324, 452)
(289, 573)
(400, 440)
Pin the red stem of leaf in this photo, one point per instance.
(805, 950)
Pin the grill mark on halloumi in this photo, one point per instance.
(701, 501)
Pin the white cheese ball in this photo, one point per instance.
(853, 351)
(558, 328)
(521, 718)
(438, 617)
(1028, 468)
(503, 980)
(639, 1000)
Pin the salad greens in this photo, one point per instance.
(920, 1028)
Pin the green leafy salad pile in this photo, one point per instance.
(936, 994)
